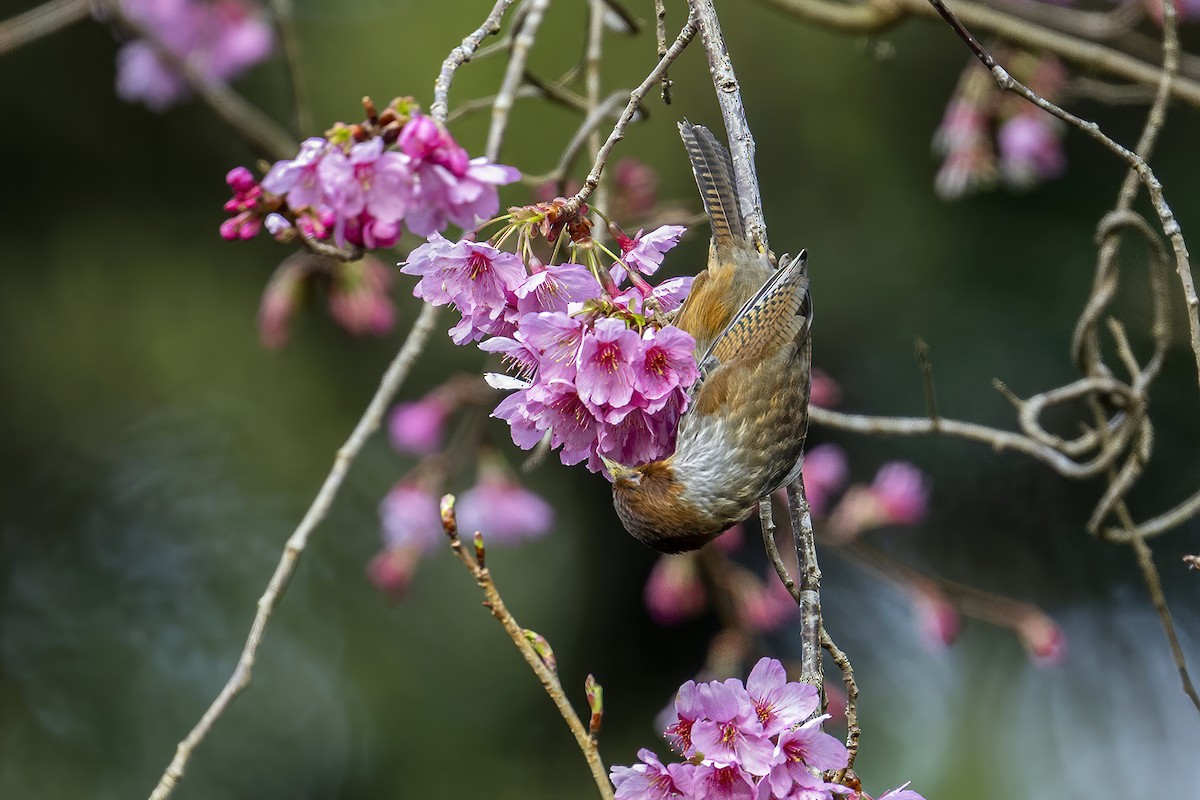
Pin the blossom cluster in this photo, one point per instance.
(599, 370)
(1026, 146)
(360, 184)
(744, 742)
(219, 39)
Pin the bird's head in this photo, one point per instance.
(652, 506)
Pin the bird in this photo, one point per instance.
(742, 435)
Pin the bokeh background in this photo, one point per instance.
(156, 456)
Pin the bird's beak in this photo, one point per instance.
(614, 469)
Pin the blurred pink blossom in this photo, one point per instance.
(674, 592)
(502, 509)
(826, 393)
(1031, 148)
(825, 472)
(391, 570)
(903, 493)
(219, 39)
(359, 299)
(411, 517)
(417, 427)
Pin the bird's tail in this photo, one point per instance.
(713, 168)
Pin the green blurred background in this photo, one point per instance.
(156, 456)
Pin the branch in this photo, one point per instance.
(396, 372)
(1171, 228)
(741, 140)
(531, 20)
(42, 21)
(461, 55)
(635, 102)
(542, 663)
(873, 16)
(809, 588)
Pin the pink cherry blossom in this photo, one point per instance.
(645, 251)
(605, 363)
(900, 793)
(688, 709)
(554, 288)
(731, 731)
(651, 780)
(801, 750)
(722, 782)
(665, 362)
(779, 704)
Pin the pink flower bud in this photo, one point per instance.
(240, 179)
(420, 137)
(1042, 638)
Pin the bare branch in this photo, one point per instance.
(461, 55)
(876, 15)
(42, 21)
(396, 372)
(635, 101)
(741, 140)
(527, 642)
(522, 43)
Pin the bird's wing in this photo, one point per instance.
(713, 168)
(778, 313)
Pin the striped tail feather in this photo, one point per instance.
(713, 168)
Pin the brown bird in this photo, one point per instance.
(743, 434)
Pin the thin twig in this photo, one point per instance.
(41, 21)
(461, 55)
(396, 372)
(853, 731)
(525, 641)
(810, 586)
(660, 37)
(285, 18)
(1183, 268)
(1145, 560)
(635, 102)
(592, 56)
(531, 20)
(1166, 216)
(877, 15)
